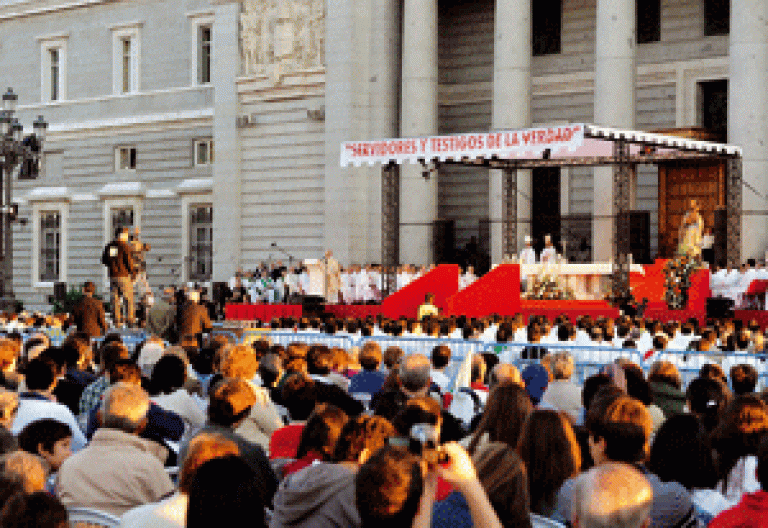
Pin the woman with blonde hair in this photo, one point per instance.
(736, 440)
(552, 455)
(240, 362)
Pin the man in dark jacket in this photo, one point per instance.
(117, 257)
(89, 313)
(192, 318)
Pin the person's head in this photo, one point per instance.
(320, 360)
(681, 452)
(388, 488)
(549, 448)
(125, 408)
(125, 371)
(505, 413)
(504, 373)
(665, 372)
(619, 431)
(223, 492)
(415, 373)
(168, 374)
(612, 495)
(370, 356)
(536, 378)
(9, 406)
(740, 431)
(89, 288)
(48, 438)
(762, 464)
(40, 375)
(361, 437)
(504, 478)
(239, 362)
(110, 352)
(202, 448)
(321, 431)
(38, 509)
(713, 371)
(270, 369)
(707, 398)
(230, 402)
(429, 298)
(562, 365)
(441, 356)
(393, 356)
(743, 379)
(122, 234)
(9, 354)
(31, 470)
(298, 395)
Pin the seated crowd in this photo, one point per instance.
(311, 436)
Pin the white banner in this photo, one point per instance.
(514, 144)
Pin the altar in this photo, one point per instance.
(588, 281)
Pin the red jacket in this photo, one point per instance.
(751, 512)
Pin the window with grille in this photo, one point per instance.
(200, 242)
(50, 246)
(717, 17)
(126, 158)
(648, 21)
(204, 36)
(121, 217)
(203, 152)
(546, 26)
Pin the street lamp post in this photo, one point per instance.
(16, 151)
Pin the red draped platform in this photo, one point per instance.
(354, 311)
(498, 292)
(264, 312)
(761, 316)
(443, 282)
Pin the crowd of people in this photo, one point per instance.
(193, 433)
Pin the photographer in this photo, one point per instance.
(391, 489)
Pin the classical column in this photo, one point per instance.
(418, 203)
(227, 203)
(748, 115)
(511, 105)
(615, 70)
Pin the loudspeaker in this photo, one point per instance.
(220, 293)
(720, 233)
(719, 308)
(312, 305)
(59, 291)
(444, 237)
(639, 235)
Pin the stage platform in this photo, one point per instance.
(498, 292)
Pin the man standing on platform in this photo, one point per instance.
(332, 278)
(549, 253)
(119, 262)
(527, 256)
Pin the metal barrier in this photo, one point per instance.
(588, 360)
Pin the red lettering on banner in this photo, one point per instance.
(423, 144)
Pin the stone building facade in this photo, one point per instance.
(274, 87)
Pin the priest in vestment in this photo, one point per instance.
(332, 270)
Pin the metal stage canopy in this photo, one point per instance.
(571, 145)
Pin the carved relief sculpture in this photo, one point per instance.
(282, 36)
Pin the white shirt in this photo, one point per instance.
(528, 256)
(549, 255)
(182, 403)
(168, 513)
(31, 410)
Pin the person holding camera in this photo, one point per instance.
(118, 258)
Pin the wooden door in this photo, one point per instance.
(678, 184)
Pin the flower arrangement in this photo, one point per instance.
(677, 281)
